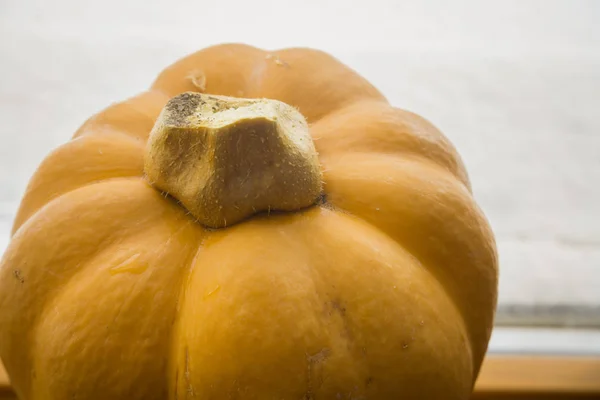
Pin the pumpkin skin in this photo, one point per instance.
(387, 289)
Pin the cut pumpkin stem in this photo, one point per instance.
(227, 158)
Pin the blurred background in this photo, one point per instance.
(515, 85)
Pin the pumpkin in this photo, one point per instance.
(255, 225)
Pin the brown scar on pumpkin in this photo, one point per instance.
(278, 61)
(338, 306)
(198, 79)
(190, 388)
(312, 361)
(18, 276)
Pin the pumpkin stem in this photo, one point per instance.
(227, 158)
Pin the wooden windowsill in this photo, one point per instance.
(538, 377)
(508, 377)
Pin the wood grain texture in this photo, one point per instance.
(508, 377)
(536, 377)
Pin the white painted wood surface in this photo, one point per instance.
(514, 84)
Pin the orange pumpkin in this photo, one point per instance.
(194, 242)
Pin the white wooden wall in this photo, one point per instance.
(514, 84)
